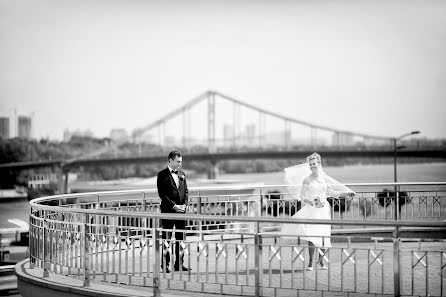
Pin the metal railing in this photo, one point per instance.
(233, 244)
(414, 201)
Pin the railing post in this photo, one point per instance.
(86, 252)
(258, 261)
(144, 202)
(156, 262)
(260, 203)
(396, 262)
(45, 247)
(1, 247)
(97, 219)
(200, 225)
(32, 240)
(395, 205)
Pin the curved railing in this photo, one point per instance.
(233, 243)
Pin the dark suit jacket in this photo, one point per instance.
(168, 191)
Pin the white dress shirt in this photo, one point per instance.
(175, 177)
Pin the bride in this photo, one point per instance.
(316, 186)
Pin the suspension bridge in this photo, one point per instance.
(216, 120)
(231, 129)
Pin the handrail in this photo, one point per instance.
(34, 202)
(36, 205)
(173, 216)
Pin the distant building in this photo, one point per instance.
(24, 127)
(228, 135)
(4, 127)
(341, 139)
(67, 134)
(119, 135)
(149, 138)
(248, 137)
(250, 131)
(277, 138)
(228, 132)
(170, 140)
(303, 141)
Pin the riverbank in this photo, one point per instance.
(370, 173)
(425, 172)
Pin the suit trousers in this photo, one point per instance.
(167, 235)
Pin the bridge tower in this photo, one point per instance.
(213, 170)
(211, 122)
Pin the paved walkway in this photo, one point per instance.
(360, 269)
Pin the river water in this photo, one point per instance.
(381, 173)
(425, 172)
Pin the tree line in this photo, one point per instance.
(20, 150)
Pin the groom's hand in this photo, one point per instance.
(179, 208)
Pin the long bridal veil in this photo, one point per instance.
(295, 175)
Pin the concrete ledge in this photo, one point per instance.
(30, 282)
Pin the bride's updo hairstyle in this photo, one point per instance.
(314, 156)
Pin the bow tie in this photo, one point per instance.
(174, 171)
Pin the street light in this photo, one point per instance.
(395, 149)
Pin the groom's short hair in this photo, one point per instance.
(173, 154)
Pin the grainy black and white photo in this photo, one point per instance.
(222, 148)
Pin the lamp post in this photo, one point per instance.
(395, 149)
(396, 255)
(395, 176)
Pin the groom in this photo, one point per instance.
(172, 189)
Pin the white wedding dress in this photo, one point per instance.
(316, 189)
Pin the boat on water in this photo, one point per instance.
(14, 235)
(14, 242)
(13, 194)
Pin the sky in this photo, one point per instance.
(372, 66)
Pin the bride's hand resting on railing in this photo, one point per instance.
(308, 202)
(349, 196)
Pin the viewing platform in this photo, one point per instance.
(388, 243)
